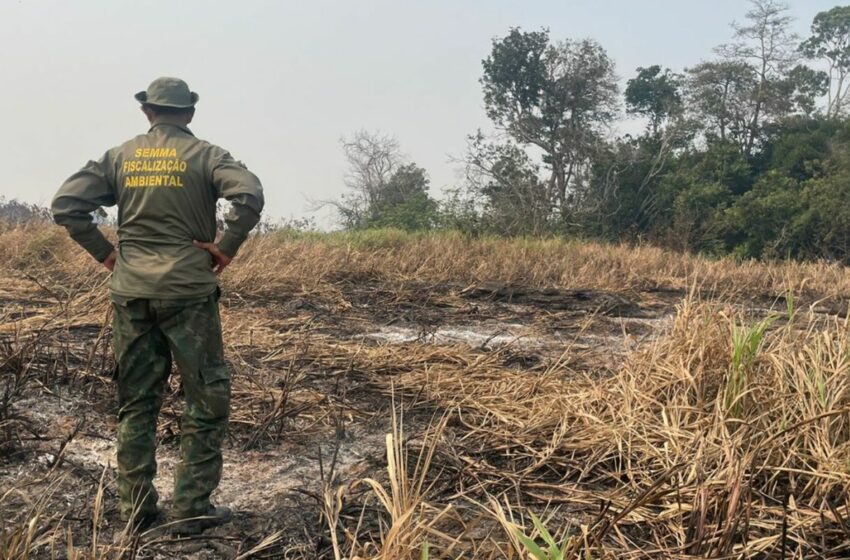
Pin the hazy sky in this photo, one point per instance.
(281, 82)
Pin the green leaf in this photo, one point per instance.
(532, 546)
(544, 533)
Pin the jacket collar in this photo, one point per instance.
(175, 125)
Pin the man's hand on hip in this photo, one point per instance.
(109, 262)
(220, 260)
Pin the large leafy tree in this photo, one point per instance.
(720, 94)
(556, 97)
(403, 202)
(654, 94)
(830, 42)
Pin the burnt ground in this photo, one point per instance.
(308, 413)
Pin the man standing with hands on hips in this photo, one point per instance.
(164, 293)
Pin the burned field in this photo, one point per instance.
(396, 394)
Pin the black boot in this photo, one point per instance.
(197, 524)
(140, 522)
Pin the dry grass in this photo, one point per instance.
(273, 263)
(678, 470)
(725, 435)
(286, 263)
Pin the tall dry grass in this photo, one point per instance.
(689, 450)
(727, 436)
(277, 262)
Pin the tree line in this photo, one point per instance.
(746, 153)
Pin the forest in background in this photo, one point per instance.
(744, 153)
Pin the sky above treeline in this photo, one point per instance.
(280, 82)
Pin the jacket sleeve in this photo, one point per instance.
(84, 192)
(240, 187)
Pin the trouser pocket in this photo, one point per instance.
(209, 401)
(214, 373)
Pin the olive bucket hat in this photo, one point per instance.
(168, 92)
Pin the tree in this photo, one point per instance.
(372, 159)
(824, 225)
(767, 44)
(15, 212)
(720, 93)
(801, 147)
(384, 190)
(654, 94)
(761, 222)
(757, 81)
(557, 98)
(803, 87)
(628, 178)
(404, 202)
(830, 41)
(504, 180)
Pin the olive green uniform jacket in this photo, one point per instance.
(166, 184)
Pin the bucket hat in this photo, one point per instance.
(168, 92)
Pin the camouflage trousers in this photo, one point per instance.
(147, 334)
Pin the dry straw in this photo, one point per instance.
(727, 435)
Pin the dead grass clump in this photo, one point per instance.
(409, 520)
(22, 537)
(26, 361)
(710, 442)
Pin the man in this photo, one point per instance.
(164, 292)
